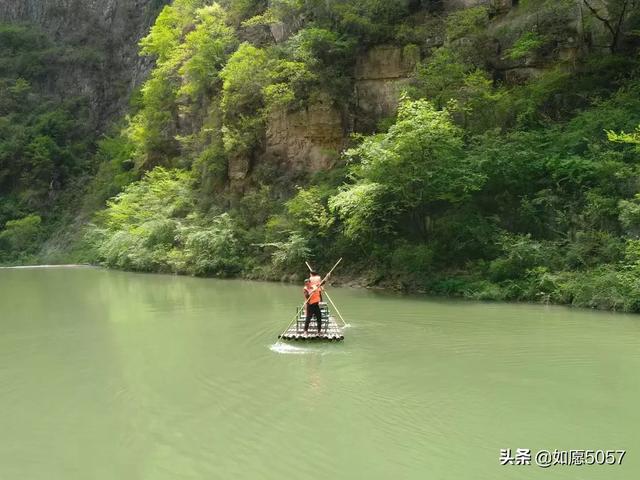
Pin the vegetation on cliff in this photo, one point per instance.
(480, 186)
(45, 142)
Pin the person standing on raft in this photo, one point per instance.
(313, 292)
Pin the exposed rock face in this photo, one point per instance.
(237, 171)
(380, 74)
(308, 139)
(111, 28)
(311, 139)
(564, 42)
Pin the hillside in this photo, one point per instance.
(67, 71)
(457, 147)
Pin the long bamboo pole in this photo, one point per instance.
(344, 324)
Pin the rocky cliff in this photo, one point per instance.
(107, 31)
(380, 74)
(311, 139)
(307, 139)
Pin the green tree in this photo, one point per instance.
(413, 170)
(205, 50)
(21, 236)
(191, 42)
(528, 43)
(440, 77)
(466, 22)
(310, 211)
(632, 138)
(244, 77)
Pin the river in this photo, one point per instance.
(112, 375)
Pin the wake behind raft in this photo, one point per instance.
(329, 331)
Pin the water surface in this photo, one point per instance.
(111, 375)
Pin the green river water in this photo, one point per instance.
(111, 375)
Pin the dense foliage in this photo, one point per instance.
(479, 187)
(45, 145)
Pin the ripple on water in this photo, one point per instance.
(288, 349)
(280, 347)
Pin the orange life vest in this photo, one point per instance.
(316, 290)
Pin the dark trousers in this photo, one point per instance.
(313, 309)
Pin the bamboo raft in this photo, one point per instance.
(330, 330)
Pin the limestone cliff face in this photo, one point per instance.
(380, 74)
(565, 42)
(308, 139)
(311, 139)
(111, 28)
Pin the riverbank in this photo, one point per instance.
(602, 289)
(62, 265)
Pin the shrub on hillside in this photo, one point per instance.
(22, 235)
(520, 254)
